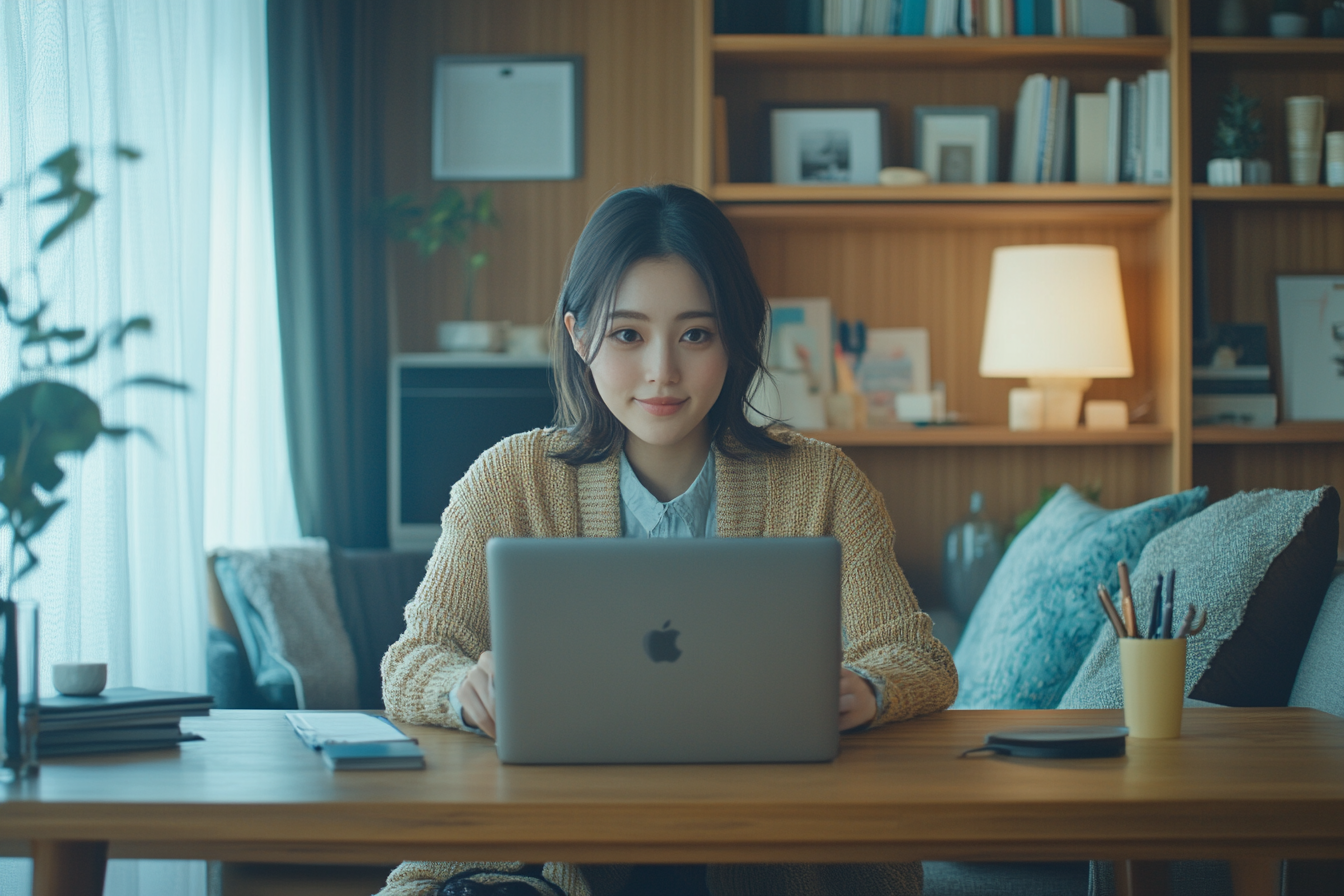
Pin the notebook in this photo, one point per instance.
(619, 650)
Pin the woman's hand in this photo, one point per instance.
(858, 701)
(477, 695)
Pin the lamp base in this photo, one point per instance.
(1063, 399)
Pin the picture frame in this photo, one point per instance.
(895, 362)
(507, 117)
(957, 144)
(824, 144)
(1311, 346)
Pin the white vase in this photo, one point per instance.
(473, 335)
(1238, 172)
(1288, 24)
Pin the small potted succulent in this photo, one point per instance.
(1238, 138)
(1288, 19)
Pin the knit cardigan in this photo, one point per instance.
(515, 489)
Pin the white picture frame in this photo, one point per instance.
(957, 144)
(1311, 346)
(507, 118)
(825, 146)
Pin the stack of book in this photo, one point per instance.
(117, 719)
(1121, 136)
(932, 18)
(1231, 378)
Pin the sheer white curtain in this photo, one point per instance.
(184, 236)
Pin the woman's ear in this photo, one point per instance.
(571, 325)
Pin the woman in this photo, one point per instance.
(657, 340)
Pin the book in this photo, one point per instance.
(116, 702)
(1114, 117)
(1059, 152)
(47, 738)
(1157, 128)
(1105, 18)
(1091, 131)
(79, 749)
(1311, 345)
(1027, 129)
(912, 17)
(374, 756)
(1131, 157)
(320, 730)
(1024, 12)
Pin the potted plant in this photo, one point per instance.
(451, 220)
(1288, 19)
(1240, 134)
(43, 416)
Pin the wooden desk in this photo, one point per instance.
(1260, 784)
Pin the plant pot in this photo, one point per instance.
(473, 335)
(1233, 20)
(1238, 172)
(1288, 24)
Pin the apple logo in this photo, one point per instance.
(661, 644)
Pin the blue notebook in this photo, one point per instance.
(370, 757)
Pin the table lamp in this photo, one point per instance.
(1057, 317)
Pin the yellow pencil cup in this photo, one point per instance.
(1152, 672)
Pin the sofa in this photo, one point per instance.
(306, 626)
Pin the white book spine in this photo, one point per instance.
(1157, 129)
(1023, 130)
(1114, 91)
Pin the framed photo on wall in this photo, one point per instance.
(507, 118)
(1311, 346)
(957, 144)
(825, 144)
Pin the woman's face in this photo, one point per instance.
(661, 363)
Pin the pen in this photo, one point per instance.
(1127, 601)
(1168, 604)
(1105, 597)
(1155, 617)
(1184, 628)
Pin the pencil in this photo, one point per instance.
(1109, 606)
(1127, 601)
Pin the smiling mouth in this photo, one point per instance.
(661, 407)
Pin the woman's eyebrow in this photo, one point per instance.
(639, 315)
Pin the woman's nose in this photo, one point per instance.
(662, 364)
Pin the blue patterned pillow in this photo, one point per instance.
(1039, 615)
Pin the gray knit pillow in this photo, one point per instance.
(1259, 563)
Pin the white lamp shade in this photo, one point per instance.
(1056, 311)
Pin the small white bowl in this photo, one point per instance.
(79, 679)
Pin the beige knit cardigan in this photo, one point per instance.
(516, 490)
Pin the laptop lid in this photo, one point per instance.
(619, 650)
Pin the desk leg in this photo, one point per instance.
(68, 867)
(1261, 877)
(1142, 879)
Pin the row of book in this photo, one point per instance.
(117, 719)
(933, 18)
(1120, 136)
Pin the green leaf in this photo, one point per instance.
(34, 524)
(136, 324)
(36, 337)
(82, 206)
(155, 381)
(65, 164)
(82, 357)
(127, 152)
(121, 432)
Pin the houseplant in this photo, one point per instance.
(43, 416)
(450, 220)
(1240, 134)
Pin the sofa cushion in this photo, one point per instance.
(1005, 878)
(1258, 563)
(1043, 593)
(1320, 676)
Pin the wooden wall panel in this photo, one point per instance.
(1228, 469)
(925, 270)
(639, 58)
(927, 489)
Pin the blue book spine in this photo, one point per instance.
(1045, 18)
(912, 17)
(1026, 17)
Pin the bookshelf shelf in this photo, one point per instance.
(1267, 46)
(997, 192)
(797, 50)
(988, 437)
(1267, 193)
(1283, 434)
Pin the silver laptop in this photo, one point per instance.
(615, 650)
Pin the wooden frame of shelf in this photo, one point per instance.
(1266, 193)
(996, 192)
(1267, 46)
(1283, 434)
(817, 49)
(988, 436)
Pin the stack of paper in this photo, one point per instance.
(117, 719)
(356, 740)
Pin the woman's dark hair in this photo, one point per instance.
(658, 222)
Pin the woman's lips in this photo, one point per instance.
(661, 407)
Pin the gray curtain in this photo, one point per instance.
(326, 69)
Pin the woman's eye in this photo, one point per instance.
(626, 336)
(697, 335)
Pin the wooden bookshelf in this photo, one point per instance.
(919, 256)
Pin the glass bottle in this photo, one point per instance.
(972, 549)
